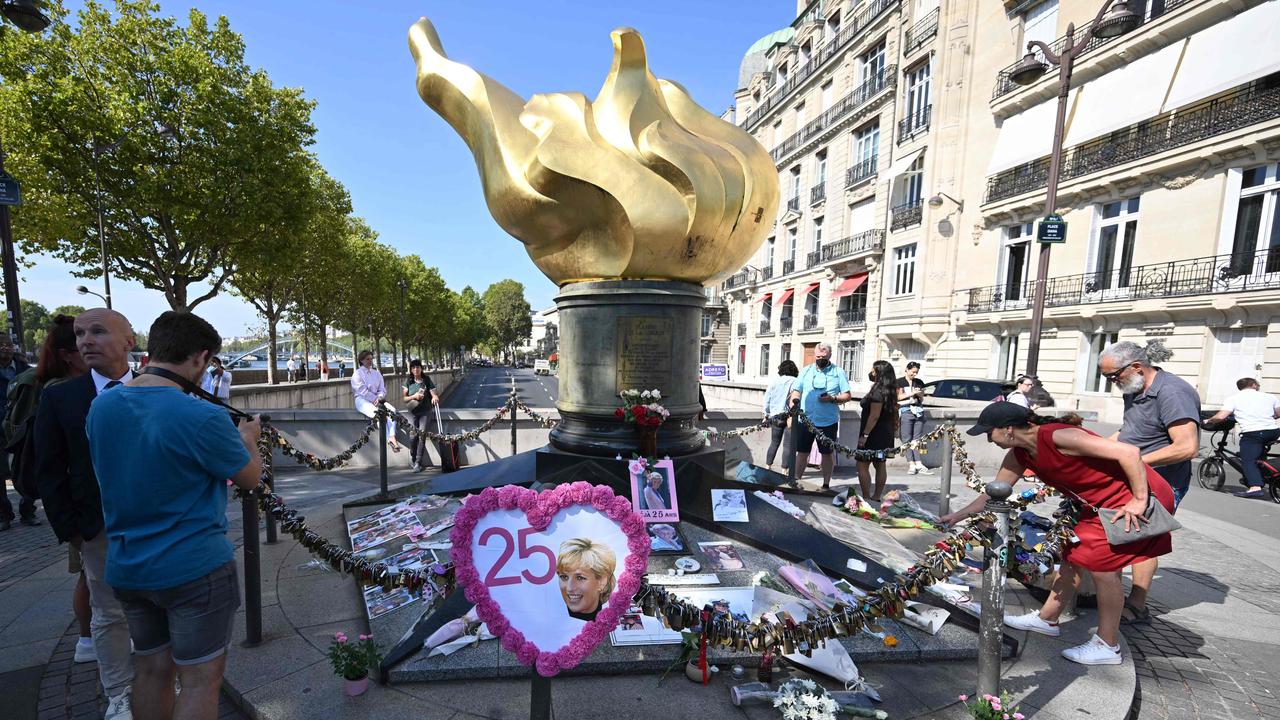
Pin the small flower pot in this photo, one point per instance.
(357, 687)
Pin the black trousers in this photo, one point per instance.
(26, 505)
(418, 445)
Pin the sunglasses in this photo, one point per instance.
(1115, 375)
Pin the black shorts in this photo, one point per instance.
(804, 437)
(192, 620)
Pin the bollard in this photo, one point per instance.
(272, 534)
(252, 572)
(382, 455)
(994, 562)
(948, 455)
(512, 404)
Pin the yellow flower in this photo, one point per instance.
(890, 641)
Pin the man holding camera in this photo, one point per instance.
(217, 382)
(162, 459)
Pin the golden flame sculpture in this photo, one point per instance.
(642, 183)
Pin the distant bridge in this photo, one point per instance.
(291, 344)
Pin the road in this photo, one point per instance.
(486, 388)
(1261, 516)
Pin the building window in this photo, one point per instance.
(786, 352)
(1237, 353)
(769, 248)
(866, 144)
(817, 235)
(1093, 379)
(827, 91)
(904, 270)
(706, 324)
(850, 357)
(833, 24)
(799, 116)
(704, 356)
(853, 307)
(1040, 23)
(806, 52)
(916, 111)
(742, 359)
(822, 169)
(795, 183)
(782, 73)
(811, 309)
(872, 64)
(1255, 246)
(911, 189)
(764, 360)
(1113, 245)
(1015, 258)
(792, 234)
(786, 312)
(1006, 358)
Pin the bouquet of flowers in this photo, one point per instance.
(990, 707)
(805, 700)
(641, 408)
(353, 660)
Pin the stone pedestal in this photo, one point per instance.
(627, 334)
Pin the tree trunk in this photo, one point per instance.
(306, 353)
(324, 345)
(272, 335)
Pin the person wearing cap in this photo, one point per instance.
(1099, 473)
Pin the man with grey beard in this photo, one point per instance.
(1161, 419)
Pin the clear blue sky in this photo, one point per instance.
(408, 173)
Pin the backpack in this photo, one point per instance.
(19, 429)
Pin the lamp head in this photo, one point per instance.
(1118, 21)
(935, 201)
(1028, 70)
(25, 14)
(82, 290)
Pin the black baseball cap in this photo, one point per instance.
(998, 415)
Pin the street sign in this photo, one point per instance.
(713, 371)
(10, 191)
(1052, 229)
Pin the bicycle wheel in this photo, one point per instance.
(1212, 474)
(1273, 489)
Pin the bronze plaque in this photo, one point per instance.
(644, 353)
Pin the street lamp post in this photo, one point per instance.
(99, 151)
(404, 355)
(27, 16)
(86, 291)
(1113, 19)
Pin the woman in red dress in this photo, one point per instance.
(1104, 474)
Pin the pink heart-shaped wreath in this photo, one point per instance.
(540, 508)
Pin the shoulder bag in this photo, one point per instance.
(1158, 521)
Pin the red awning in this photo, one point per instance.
(765, 297)
(850, 285)
(782, 299)
(811, 287)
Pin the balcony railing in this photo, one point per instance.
(1004, 85)
(818, 193)
(811, 322)
(855, 100)
(742, 330)
(906, 215)
(788, 266)
(829, 50)
(921, 33)
(738, 279)
(914, 124)
(863, 170)
(784, 325)
(813, 258)
(765, 328)
(766, 273)
(1244, 106)
(1213, 275)
(793, 204)
(867, 241)
(851, 318)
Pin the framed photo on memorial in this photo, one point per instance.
(653, 491)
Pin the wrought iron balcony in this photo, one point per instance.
(1212, 275)
(817, 193)
(863, 170)
(867, 241)
(914, 124)
(813, 258)
(1004, 85)
(793, 204)
(738, 279)
(851, 318)
(742, 330)
(766, 273)
(811, 322)
(853, 27)
(765, 329)
(784, 325)
(856, 100)
(1244, 106)
(921, 33)
(788, 266)
(906, 215)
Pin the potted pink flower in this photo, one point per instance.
(990, 707)
(354, 661)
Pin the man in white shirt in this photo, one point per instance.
(1256, 414)
(293, 369)
(217, 381)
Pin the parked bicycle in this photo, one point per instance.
(1213, 469)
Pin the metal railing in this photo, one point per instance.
(863, 170)
(793, 204)
(738, 279)
(742, 330)
(851, 318)
(1004, 85)
(811, 322)
(784, 324)
(1244, 106)
(817, 193)
(914, 124)
(1212, 275)
(866, 241)
(766, 273)
(855, 100)
(906, 215)
(921, 33)
(813, 258)
(788, 266)
(828, 51)
(765, 328)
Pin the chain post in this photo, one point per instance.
(948, 459)
(511, 405)
(994, 561)
(252, 571)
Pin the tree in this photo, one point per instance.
(506, 314)
(195, 150)
(35, 325)
(469, 324)
(71, 310)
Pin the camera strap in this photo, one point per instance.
(191, 388)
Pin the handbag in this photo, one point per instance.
(1158, 522)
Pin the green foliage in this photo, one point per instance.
(506, 313)
(71, 310)
(35, 324)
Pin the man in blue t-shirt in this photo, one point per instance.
(820, 389)
(162, 460)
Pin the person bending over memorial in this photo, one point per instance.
(586, 571)
(1098, 473)
(163, 459)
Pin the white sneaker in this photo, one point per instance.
(1094, 652)
(1033, 623)
(120, 708)
(84, 650)
(922, 470)
(911, 469)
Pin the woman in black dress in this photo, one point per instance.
(879, 426)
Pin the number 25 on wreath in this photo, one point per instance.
(492, 579)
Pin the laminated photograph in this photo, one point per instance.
(729, 505)
(722, 556)
(665, 538)
(653, 490)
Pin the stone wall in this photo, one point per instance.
(317, 394)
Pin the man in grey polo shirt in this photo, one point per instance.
(1161, 419)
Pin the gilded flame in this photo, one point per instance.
(642, 183)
